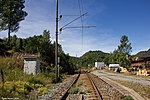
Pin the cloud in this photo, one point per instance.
(103, 40)
(41, 16)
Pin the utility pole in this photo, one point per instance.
(56, 43)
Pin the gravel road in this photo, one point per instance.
(101, 73)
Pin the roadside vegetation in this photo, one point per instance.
(14, 83)
(143, 90)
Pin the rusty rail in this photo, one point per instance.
(64, 96)
(95, 88)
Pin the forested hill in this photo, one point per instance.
(90, 57)
(139, 54)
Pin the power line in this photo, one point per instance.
(81, 10)
(71, 15)
(79, 27)
(82, 5)
(72, 21)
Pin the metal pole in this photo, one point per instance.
(58, 65)
(56, 43)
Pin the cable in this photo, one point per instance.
(81, 11)
(82, 6)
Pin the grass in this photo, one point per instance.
(73, 90)
(18, 84)
(80, 84)
(126, 98)
(82, 92)
(143, 90)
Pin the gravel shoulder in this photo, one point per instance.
(144, 81)
(108, 76)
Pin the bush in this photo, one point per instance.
(53, 77)
(35, 81)
(12, 88)
(80, 84)
(43, 90)
(73, 90)
(38, 85)
(82, 92)
(19, 88)
(126, 98)
(16, 83)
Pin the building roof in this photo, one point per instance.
(114, 65)
(30, 56)
(147, 54)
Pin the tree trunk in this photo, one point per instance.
(9, 25)
(2, 74)
(8, 36)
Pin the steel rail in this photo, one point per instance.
(95, 88)
(64, 96)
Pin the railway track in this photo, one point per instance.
(87, 86)
(107, 91)
(63, 91)
(87, 90)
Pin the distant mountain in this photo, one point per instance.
(75, 60)
(90, 57)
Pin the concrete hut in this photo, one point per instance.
(31, 65)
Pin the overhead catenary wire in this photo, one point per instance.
(81, 11)
(79, 27)
(72, 21)
(82, 5)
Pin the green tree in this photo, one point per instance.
(11, 13)
(46, 49)
(2, 47)
(46, 36)
(121, 55)
(13, 40)
(124, 50)
(33, 44)
(125, 46)
(19, 45)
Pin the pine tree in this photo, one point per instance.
(11, 13)
(124, 50)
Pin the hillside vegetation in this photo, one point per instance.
(89, 58)
(14, 83)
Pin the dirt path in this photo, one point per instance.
(119, 87)
(144, 81)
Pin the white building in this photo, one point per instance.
(31, 65)
(113, 66)
(99, 65)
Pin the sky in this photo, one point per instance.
(112, 18)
